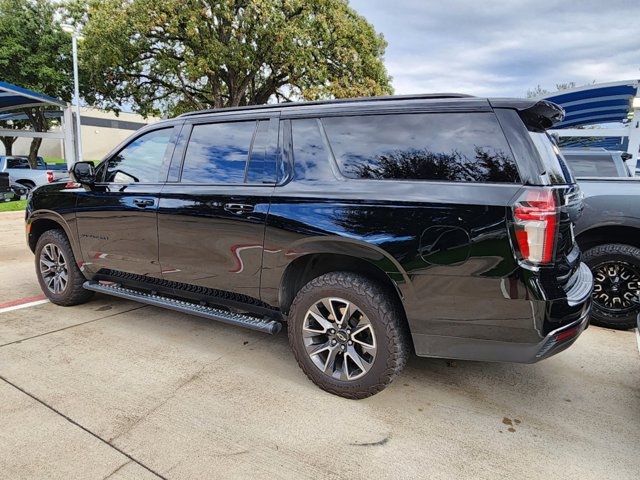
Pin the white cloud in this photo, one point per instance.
(500, 48)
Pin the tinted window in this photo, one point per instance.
(460, 147)
(218, 152)
(310, 155)
(17, 162)
(262, 162)
(592, 165)
(141, 160)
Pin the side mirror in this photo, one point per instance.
(83, 173)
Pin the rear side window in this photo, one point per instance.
(230, 153)
(218, 152)
(457, 147)
(592, 165)
(310, 153)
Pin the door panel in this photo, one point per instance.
(116, 231)
(212, 238)
(211, 218)
(117, 218)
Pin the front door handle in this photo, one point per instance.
(238, 208)
(143, 202)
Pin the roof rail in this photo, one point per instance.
(423, 96)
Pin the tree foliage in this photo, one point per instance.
(169, 56)
(34, 54)
(539, 91)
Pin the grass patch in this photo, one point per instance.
(53, 160)
(13, 206)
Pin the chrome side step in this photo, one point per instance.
(265, 325)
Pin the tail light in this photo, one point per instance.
(49, 176)
(536, 218)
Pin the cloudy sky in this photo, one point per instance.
(505, 47)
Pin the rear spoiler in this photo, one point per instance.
(537, 115)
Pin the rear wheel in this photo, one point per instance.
(58, 274)
(348, 334)
(616, 284)
(27, 184)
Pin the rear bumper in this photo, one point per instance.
(556, 323)
(559, 339)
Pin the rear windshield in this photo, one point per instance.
(555, 167)
(592, 165)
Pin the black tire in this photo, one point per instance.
(28, 184)
(72, 293)
(603, 259)
(383, 315)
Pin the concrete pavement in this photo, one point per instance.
(114, 389)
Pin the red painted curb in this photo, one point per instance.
(21, 301)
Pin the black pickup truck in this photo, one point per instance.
(608, 233)
(369, 226)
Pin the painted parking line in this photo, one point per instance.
(22, 303)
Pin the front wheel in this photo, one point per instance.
(59, 276)
(348, 334)
(616, 284)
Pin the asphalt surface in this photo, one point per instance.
(113, 389)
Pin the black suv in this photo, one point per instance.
(439, 221)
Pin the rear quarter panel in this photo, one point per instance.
(461, 287)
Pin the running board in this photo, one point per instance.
(265, 325)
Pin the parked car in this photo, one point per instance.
(443, 222)
(609, 233)
(6, 194)
(20, 170)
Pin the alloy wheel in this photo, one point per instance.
(616, 287)
(53, 268)
(339, 338)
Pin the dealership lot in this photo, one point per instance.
(120, 390)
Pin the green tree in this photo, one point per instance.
(35, 54)
(170, 56)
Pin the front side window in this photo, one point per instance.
(218, 153)
(458, 147)
(141, 160)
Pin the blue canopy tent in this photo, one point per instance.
(611, 106)
(14, 99)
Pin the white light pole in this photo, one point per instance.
(75, 36)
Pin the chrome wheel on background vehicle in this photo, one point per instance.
(339, 339)
(616, 284)
(53, 268)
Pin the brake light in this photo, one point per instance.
(535, 225)
(49, 176)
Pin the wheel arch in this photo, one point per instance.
(23, 181)
(43, 221)
(312, 265)
(602, 235)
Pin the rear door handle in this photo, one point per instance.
(143, 202)
(238, 208)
